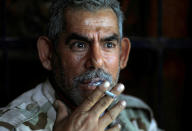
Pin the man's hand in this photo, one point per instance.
(87, 117)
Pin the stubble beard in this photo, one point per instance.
(73, 92)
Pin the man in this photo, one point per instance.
(84, 52)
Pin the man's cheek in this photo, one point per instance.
(112, 64)
(111, 59)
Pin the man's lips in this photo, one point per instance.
(90, 84)
(90, 81)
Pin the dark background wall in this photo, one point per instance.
(159, 70)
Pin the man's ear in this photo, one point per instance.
(125, 50)
(44, 47)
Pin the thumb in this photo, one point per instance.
(61, 110)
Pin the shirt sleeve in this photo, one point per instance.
(137, 120)
(3, 128)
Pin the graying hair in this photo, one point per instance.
(58, 8)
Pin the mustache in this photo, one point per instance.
(91, 74)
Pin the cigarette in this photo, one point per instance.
(108, 93)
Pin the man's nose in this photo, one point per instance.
(95, 57)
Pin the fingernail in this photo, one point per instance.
(120, 87)
(55, 104)
(119, 126)
(123, 103)
(106, 84)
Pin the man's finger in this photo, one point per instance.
(117, 127)
(104, 103)
(61, 110)
(94, 97)
(111, 114)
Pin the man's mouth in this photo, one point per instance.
(96, 83)
(91, 84)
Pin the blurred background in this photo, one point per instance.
(159, 70)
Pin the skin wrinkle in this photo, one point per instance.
(58, 10)
(72, 68)
(99, 56)
(90, 22)
(77, 36)
(97, 22)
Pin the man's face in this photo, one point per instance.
(88, 51)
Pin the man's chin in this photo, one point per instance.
(80, 95)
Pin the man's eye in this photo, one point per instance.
(78, 46)
(109, 45)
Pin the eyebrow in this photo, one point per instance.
(113, 37)
(76, 36)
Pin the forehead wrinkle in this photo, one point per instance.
(101, 37)
(104, 22)
(92, 37)
(101, 19)
(93, 25)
